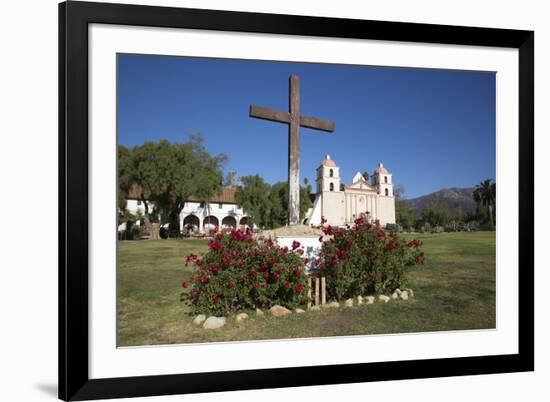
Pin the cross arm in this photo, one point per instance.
(317, 124)
(265, 113)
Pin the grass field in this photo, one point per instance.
(454, 290)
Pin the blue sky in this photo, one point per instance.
(431, 128)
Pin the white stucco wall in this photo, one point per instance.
(217, 210)
(333, 207)
(133, 206)
(314, 217)
(386, 210)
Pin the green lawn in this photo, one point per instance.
(454, 290)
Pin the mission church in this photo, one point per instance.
(340, 204)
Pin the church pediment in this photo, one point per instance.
(361, 185)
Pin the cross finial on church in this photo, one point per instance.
(294, 120)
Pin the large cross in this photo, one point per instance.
(294, 121)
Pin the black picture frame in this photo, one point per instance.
(74, 18)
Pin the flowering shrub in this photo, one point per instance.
(240, 272)
(364, 259)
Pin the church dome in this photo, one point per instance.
(381, 169)
(328, 162)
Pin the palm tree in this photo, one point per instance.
(485, 194)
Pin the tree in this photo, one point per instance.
(434, 217)
(280, 189)
(267, 206)
(146, 168)
(398, 191)
(278, 214)
(485, 195)
(253, 197)
(404, 216)
(207, 172)
(166, 175)
(124, 179)
(308, 186)
(230, 179)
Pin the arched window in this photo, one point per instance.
(387, 192)
(385, 179)
(331, 186)
(331, 173)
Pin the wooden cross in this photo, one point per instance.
(294, 121)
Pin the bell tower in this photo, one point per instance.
(382, 181)
(328, 176)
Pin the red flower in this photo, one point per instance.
(256, 285)
(215, 246)
(342, 255)
(298, 288)
(229, 285)
(189, 258)
(254, 274)
(184, 285)
(266, 275)
(216, 299)
(215, 267)
(295, 245)
(287, 285)
(236, 235)
(203, 278)
(226, 261)
(298, 271)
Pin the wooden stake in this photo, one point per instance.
(317, 291)
(309, 293)
(323, 290)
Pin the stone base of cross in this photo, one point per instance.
(294, 121)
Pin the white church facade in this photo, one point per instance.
(342, 204)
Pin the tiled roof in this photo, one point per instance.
(226, 196)
(328, 161)
(381, 169)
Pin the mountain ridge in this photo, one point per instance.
(453, 199)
